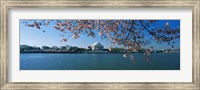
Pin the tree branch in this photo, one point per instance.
(99, 26)
(129, 30)
(85, 21)
(153, 34)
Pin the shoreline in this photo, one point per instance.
(86, 52)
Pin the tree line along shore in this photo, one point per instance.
(74, 49)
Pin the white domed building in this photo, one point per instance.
(97, 47)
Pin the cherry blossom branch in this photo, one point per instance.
(129, 30)
(85, 21)
(153, 34)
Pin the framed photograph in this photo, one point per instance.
(63, 44)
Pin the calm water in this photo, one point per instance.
(161, 61)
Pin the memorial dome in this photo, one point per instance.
(97, 46)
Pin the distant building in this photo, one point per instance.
(96, 47)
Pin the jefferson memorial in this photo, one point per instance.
(96, 47)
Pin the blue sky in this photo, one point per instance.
(35, 37)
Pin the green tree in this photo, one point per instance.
(45, 47)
